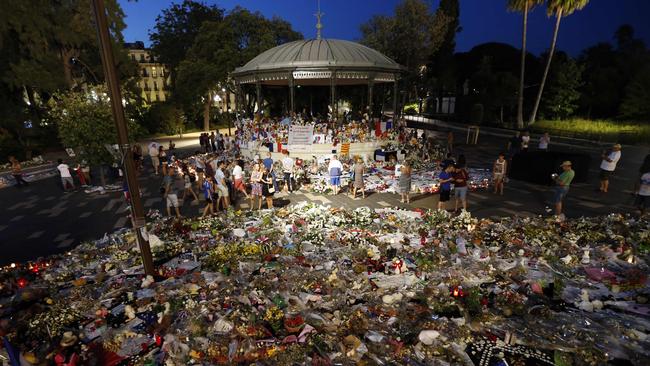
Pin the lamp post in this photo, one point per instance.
(137, 210)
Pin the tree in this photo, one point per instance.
(411, 37)
(441, 69)
(559, 9)
(176, 29)
(85, 124)
(562, 96)
(220, 47)
(38, 41)
(637, 94)
(523, 6)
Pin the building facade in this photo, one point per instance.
(154, 76)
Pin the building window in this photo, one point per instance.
(155, 85)
(142, 57)
(144, 73)
(153, 71)
(155, 96)
(133, 57)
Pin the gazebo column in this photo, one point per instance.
(371, 85)
(237, 96)
(395, 99)
(258, 90)
(333, 103)
(291, 93)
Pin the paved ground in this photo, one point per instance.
(41, 219)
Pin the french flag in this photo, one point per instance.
(381, 127)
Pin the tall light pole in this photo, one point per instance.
(108, 62)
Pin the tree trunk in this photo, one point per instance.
(533, 115)
(206, 113)
(67, 68)
(520, 103)
(501, 115)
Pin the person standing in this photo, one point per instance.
(222, 185)
(335, 168)
(268, 165)
(525, 141)
(238, 180)
(208, 193)
(153, 154)
(461, 176)
(445, 180)
(267, 188)
(17, 172)
(162, 157)
(202, 141)
(189, 179)
(287, 168)
(405, 183)
(398, 170)
(173, 186)
(81, 176)
(256, 187)
(499, 169)
(642, 201)
(136, 151)
(544, 141)
(514, 144)
(66, 177)
(359, 169)
(608, 165)
(219, 138)
(562, 184)
(211, 141)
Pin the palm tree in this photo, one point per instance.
(559, 8)
(523, 6)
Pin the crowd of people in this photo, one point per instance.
(219, 175)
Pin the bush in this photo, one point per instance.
(598, 130)
(164, 118)
(411, 109)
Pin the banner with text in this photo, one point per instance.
(300, 137)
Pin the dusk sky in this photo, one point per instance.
(482, 20)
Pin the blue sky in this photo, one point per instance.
(482, 20)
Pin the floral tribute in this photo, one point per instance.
(311, 284)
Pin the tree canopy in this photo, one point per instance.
(85, 123)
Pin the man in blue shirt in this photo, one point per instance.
(445, 179)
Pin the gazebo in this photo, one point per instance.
(318, 62)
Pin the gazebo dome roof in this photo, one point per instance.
(313, 54)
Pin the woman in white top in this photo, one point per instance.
(499, 170)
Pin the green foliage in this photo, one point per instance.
(222, 45)
(412, 37)
(164, 118)
(85, 124)
(177, 27)
(636, 104)
(605, 130)
(38, 41)
(411, 109)
(561, 95)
